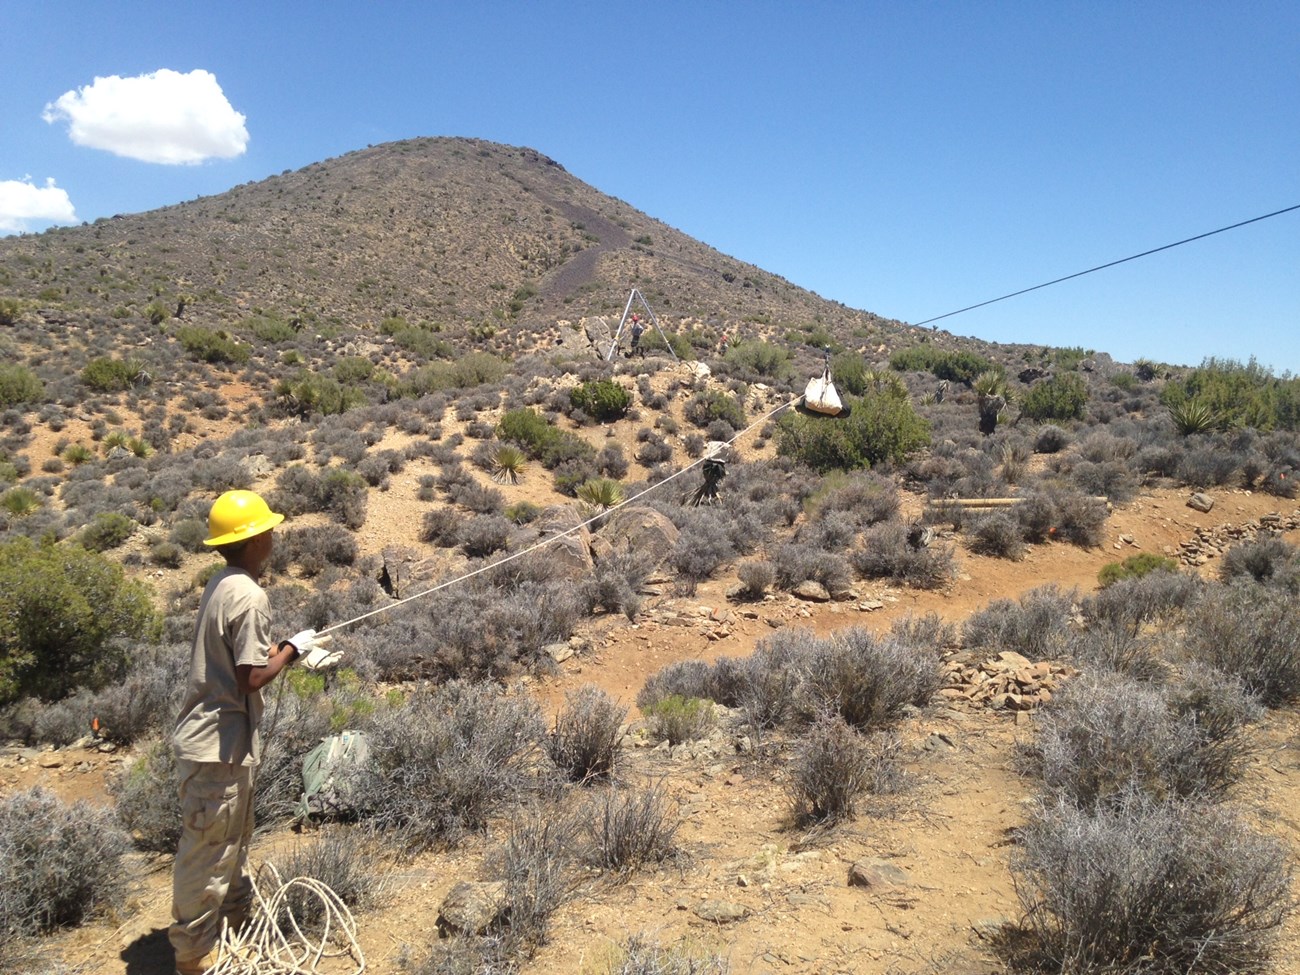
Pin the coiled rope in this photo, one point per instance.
(264, 947)
(558, 535)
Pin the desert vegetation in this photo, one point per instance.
(564, 672)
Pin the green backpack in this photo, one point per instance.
(333, 777)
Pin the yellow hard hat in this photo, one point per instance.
(237, 516)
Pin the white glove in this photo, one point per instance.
(303, 642)
(318, 658)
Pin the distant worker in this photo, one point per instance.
(217, 740)
(638, 329)
(723, 343)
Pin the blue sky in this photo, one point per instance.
(904, 158)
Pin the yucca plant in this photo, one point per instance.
(140, 447)
(115, 438)
(1193, 416)
(601, 492)
(20, 501)
(508, 464)
(77, 453)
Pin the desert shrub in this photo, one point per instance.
(601, 399)
(507, 464)
(1103, 740)
(215, 347)
(954, 366)
(145, 799)
(796, 562)
(483, 535)
(640, 955)
(1116, 647)
(477, 498)
(440, 526)
(19, 386)
(314, 548)
(614, 585)
(1156, 597)
(59, 864)
(1036, 625)
(1062, 397)
(880, 427)
(756, 578)
(1134, 567)
(535, 864)
(829, 771)
(449, 759)
(1062, 515)
(1248, 632)
(548, 444)
(107, 375)
(335, 859)
(1268, 560)
(107, 530)
(585, 742)
(311, 393)
(600, 492)
(676, 719)
(654, 451)
(864, 679)
(1192, 885)
(887, 554)
(1050, 439)
(705, 408)
(628, 828)
(20, 501)
(684, 678)
(866, 497)
(998, 535)
(62, 612)
(702, 546)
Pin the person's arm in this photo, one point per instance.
(250, 678)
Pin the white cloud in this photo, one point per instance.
(163, 117)
(21, 202)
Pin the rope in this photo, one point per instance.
(263, 947)
(556, 537)
(1102, 267)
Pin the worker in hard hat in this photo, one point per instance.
(217, 737)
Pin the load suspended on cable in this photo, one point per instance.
(820, 396)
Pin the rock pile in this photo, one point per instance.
(1008, 680)
(1207, 543)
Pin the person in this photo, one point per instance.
(637, 330)
(217, 741)
(723, 343)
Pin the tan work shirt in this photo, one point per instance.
(217, 723)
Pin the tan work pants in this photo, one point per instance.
(211, 878)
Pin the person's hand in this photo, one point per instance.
(303, 642)
(318, 658)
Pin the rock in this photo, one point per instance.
(570, 554)
(559, 652)
(720, 911)
(49, 760)
(812, 591)
(873, 872)
(471, 907)
(1200, 502)
(643, 531)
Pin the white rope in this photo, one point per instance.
(263, 947)
(556, 537)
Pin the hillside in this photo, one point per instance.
(995, 547)
(456, 232)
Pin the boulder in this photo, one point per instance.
(643, 531)
(471, 907)
(812, 591)
(571, 555)
(1200, 502)
(720, 911)
(877, 873)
